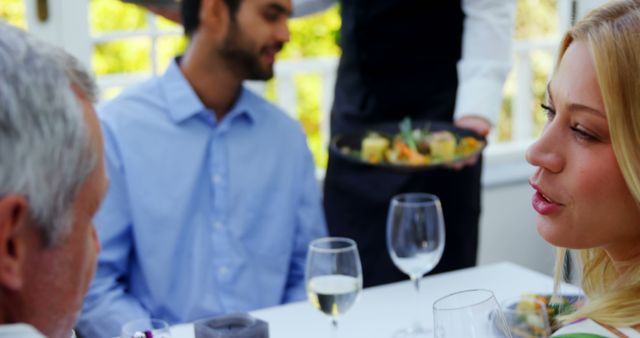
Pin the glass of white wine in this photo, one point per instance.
(333, 276)
(415, 240)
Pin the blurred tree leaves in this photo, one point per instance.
(12, 11)
(133, 54)
(535, 19)
(314, 35)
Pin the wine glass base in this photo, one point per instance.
(413, 333)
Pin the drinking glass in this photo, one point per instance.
(146, 328)
(333, 276)
(415, 240)
(469, 314)
(527, 317)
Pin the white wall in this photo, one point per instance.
(507, 230)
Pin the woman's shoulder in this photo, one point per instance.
(587, 328)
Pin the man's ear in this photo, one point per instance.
(214, 16)
(13, 221)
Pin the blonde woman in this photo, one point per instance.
(587, 185)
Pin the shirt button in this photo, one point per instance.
(218, 225)
(223, 270)
(216, 179)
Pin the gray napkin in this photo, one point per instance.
(239, 325)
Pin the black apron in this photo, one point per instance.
(399, 59)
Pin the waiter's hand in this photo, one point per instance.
(168, 13)
(477, 124)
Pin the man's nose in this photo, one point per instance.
(282, 33)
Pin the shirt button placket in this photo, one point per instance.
(218, 226)
(223, 271)
(216, 179)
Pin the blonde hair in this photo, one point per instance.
(612, 33)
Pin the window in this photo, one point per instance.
(125, 44)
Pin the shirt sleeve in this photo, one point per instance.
(107, 305)
(486, 57)
(310, 224)
(305, 7)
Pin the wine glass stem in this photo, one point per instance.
(334, 327)
(416, 284)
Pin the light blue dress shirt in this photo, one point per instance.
(202, 217)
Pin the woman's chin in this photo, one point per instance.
(553, 235)
(550, 232)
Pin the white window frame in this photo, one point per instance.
(67, 25)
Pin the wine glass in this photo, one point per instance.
(333, 276)
(527, 317)
(144, 328)
(470, 314)
(415, 240)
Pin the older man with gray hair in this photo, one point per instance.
(52, 180)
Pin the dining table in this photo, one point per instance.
(380, 311)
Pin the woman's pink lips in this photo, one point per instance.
(542, 205)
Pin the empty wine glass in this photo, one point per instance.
(333, 276)
(527, 317)
(415, 240)
(144, 328)
(469, 314)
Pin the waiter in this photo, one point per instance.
(431, 61)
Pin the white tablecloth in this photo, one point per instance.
(382, 310)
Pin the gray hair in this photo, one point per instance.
(45, 149)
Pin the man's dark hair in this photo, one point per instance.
(191, 10)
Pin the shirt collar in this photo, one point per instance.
(246, 105)
(184, 103)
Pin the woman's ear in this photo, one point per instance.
(13, 241)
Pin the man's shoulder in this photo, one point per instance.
(273, 116)
(140, 100)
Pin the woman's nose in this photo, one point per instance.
(546, 152)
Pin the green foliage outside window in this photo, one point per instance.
(12, 11)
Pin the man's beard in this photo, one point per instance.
(240, 58)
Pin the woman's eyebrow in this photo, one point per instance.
(575, 106)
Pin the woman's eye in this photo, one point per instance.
(583, 134)
(548, 111)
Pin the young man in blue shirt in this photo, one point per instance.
(212, 199)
